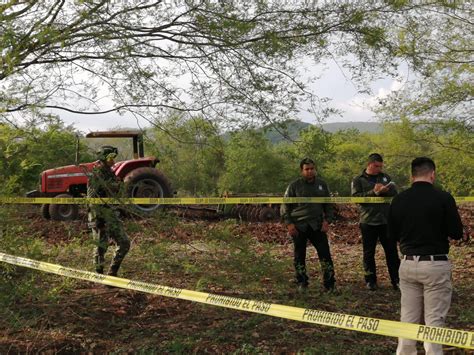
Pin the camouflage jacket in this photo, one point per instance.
(363, 186)
(102, 183)
(307, 214)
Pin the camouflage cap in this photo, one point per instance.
(106, 152)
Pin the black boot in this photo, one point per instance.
(113, 271)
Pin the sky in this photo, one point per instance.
(355, 106)
(334, 83)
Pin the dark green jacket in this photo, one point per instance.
(372, 213)
(307, 214)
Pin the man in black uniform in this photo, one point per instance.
(373, 220)
(103, 219)
(309, 221)
(422, 219)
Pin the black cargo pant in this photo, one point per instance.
(320, 242)
(371, 234)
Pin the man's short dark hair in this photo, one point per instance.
(422, 166)
(306, 161)
(375, 157)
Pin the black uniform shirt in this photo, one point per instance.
(422, 218)
(363, 186)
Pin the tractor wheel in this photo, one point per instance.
(63, 212)
(233, 211)
(254, 212)
(267, 214)
(45, 211)
(147, 182)
(248, 212)
(239, 212)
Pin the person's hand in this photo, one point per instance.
(292, 230)
(380, 188)
(466, 235)
(325, 227)
(377, 188)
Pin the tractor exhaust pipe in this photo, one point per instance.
(76, 162)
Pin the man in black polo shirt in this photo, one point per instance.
(422, 219)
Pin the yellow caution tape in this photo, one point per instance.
(202, 200)
(464, 199)
(452, 337)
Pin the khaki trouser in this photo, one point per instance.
(426, 290)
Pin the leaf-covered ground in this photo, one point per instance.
(44, 313)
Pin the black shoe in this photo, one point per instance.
(113, 271)
(396, 286)
(372, 286)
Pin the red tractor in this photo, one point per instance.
(139, 174)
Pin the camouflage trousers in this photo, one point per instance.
(105, 226)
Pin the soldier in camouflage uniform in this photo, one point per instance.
(104, 219)
(309, 221)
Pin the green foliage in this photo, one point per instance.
(232, 63)
(191, 154)
(450, 146)
(350, 149)
(251, 165)
(248, 349)
(198, 161)
(338, 156)
(26, 151)
(439, 100)
(179, 346)
(400, 144)
(314, 143)
(254, 264)
(235, 61)
(284, 132)
(16, 282)
(374, 37)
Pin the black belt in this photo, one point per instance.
(427, 257)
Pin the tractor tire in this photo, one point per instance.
(45, 211)
(267, 214)
(147, 182)
(63, 212)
